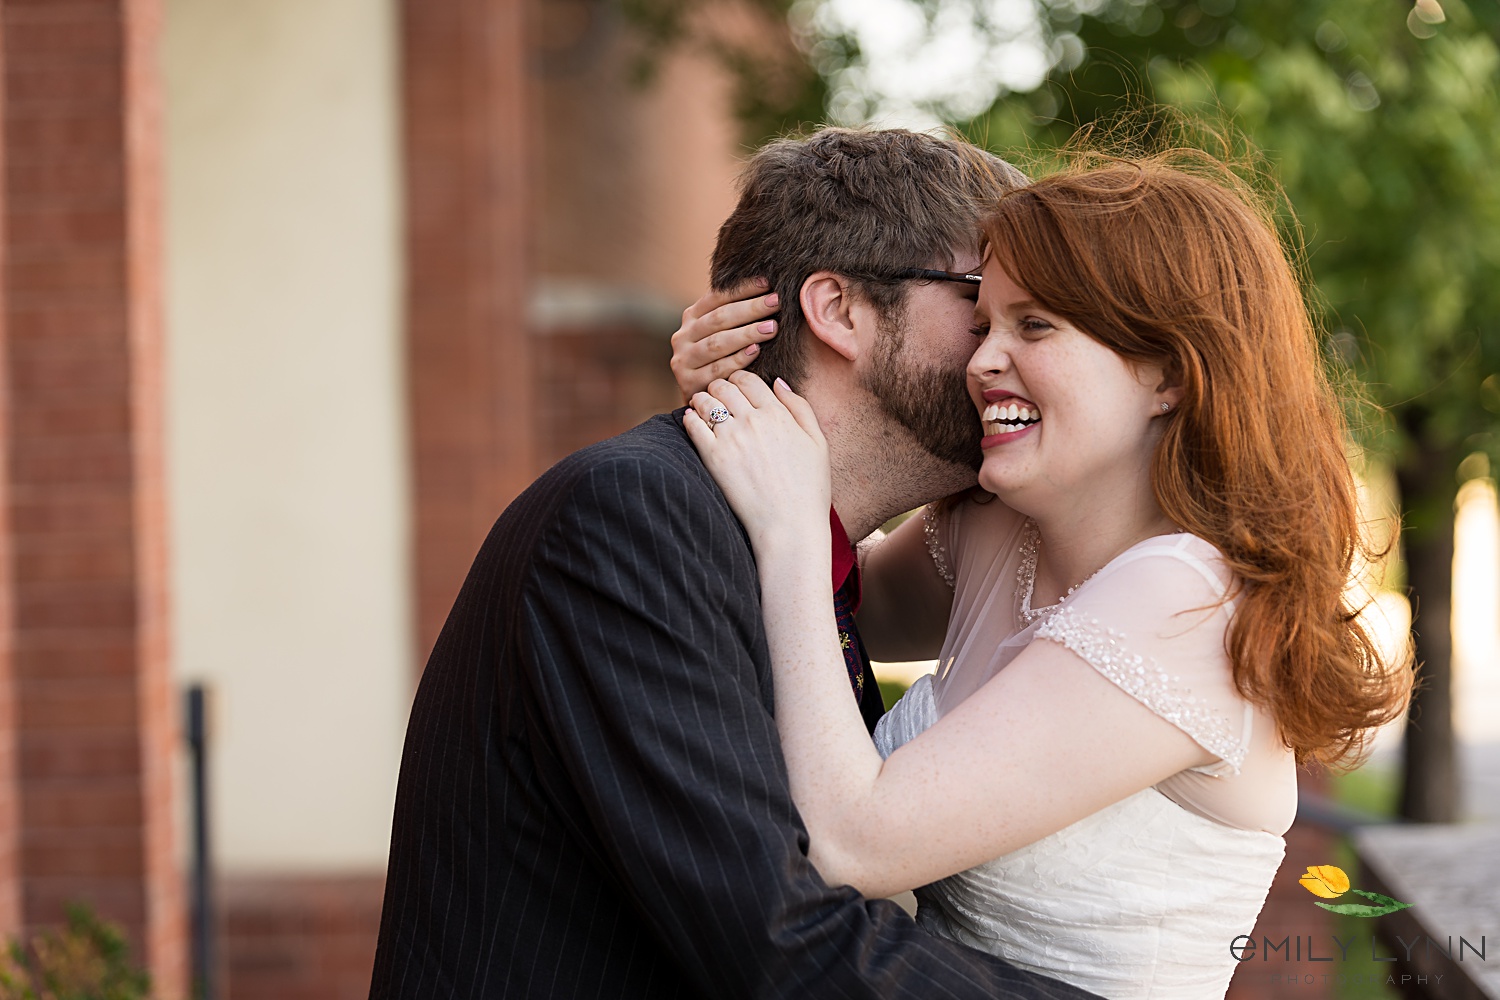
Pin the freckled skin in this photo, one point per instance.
(1096, 433)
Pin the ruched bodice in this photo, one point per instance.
(1140, 899)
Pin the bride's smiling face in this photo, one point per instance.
(1064, 417)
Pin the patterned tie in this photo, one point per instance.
(843, 609)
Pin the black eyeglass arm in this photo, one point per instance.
(928, 274)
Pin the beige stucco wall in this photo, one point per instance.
(288, 473)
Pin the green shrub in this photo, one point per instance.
(86, 960)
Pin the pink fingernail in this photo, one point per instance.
(769, 326)
(781, 384)
(752, 350)
(762, 282)
(772, 300)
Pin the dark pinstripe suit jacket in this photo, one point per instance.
(592, 799)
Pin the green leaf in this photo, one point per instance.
(1361, 910)
(1378, 899)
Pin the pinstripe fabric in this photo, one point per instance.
(592, 799)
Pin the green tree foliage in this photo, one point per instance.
(1383, 121)
(776, 88)
(1388, 145)
(86, 960)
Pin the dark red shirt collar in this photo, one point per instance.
(845, 565)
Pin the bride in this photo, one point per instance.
(1146, 619)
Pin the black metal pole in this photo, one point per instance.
(205, 986)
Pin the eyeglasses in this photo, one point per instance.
(927, 274)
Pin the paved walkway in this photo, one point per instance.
(1447, 873)
(1480, 774)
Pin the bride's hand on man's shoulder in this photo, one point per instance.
(766, 451)
(721, 334)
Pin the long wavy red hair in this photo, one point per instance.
(1173, 260)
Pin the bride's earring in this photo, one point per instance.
(1166, 407)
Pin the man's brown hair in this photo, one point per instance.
(862, 203)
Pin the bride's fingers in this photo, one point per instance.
(746, 314)
(755, 389)
(695, 366)
(702, 404)
(731, 397)
(698, 431)
(713, 300)
(722, 333)
(713, 336)
(721, 354)
(802, 410)
(727, 397)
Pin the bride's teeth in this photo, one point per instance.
(1007, 419)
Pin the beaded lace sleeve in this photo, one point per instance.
(930, 529)
(1107, 650)
(1154, 626)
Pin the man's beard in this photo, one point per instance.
(932, 403)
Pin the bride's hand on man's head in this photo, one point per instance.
(721, 334)
(765, 449)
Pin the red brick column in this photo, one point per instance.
(10, 885)
(465, 100)
(301, 937)
(82, 298)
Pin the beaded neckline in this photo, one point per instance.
(1031, 537)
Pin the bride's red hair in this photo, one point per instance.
(1172, 260)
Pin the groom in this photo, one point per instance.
(592, 799)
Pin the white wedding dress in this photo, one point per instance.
(1141, 899)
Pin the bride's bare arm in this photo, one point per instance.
(1034, 750)
(1039, 747)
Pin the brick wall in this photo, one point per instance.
(10, 886)
(466, 101)
(594, 383)
(632, 181)
(82, 318)
(310, 938)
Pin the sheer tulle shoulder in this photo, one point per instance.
(976, 527)
(1161, 600)
(976, 538)
(936, 528)
(1153, 622)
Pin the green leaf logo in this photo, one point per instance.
(1384, 905)
(1330, 882)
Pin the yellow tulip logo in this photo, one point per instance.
(1330, 882)
(1326, 881)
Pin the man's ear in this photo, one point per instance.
(827, 309)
